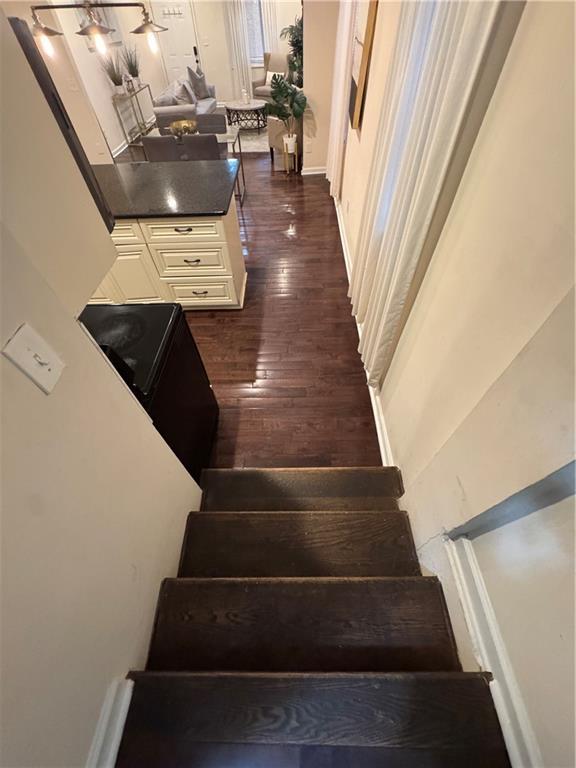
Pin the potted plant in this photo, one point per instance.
(294, 33)
(288, 104)
(111, 65)
(132, 64)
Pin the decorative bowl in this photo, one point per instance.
(181, 127)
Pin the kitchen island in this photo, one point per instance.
(177, 235)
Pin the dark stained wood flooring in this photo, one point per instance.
(285, 369)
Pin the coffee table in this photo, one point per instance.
(247, 115)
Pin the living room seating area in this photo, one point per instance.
(184, 99)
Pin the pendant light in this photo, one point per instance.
(150, 29)
(44, 33)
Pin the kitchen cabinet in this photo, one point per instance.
(195, 261)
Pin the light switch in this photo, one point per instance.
(35, 357)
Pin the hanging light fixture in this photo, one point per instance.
(93, 26)
(44, 33)
(150, 29)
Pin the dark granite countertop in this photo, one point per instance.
(184, 188)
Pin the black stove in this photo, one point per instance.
(152, 348)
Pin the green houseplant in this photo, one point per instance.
(294, 33)
(132, 63)
(288, 104)
(113, 68)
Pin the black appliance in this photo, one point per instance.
(152, 348)
(44, 79)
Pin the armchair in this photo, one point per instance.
(275, 63)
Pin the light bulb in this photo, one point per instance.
(47, 46)
(152, 42)
(100, 44)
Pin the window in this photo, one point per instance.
(255, 32)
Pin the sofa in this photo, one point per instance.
(274, 63)
(184, 99)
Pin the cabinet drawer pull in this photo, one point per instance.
(200, 293)
(183, 229)
(192, 261)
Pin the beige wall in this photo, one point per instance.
(320, 25)
(528, 568)
(287, 11)
(93, 500)
(70, 86)
(478, 402)
(72, 250)
(502, 267)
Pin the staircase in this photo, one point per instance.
(300, 634)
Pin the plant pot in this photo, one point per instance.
(137, 83)
(290, 143)
(119, 90)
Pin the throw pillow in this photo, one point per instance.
(270, 75)
(182, 95)
(189, 90)
(164, 100)
(198, 82)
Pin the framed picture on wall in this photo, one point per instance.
(363, 36)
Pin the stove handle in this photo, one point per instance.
(192, 262)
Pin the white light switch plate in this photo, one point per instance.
(35, 357)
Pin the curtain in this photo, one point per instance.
(239, 47)
(340, 98)
(270, 26)
(438, 52)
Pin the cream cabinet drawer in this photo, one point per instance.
(204, 291)
(127, 232)
(182, 230)
(193, 260)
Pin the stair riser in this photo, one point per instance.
(298, 544)
(328, 489)
(302, 624)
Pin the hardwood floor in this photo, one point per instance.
(285, 369)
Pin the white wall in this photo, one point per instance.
(320, 25)
(93, 501)
(528, 569)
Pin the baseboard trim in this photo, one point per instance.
(491, 653)
(110, 726)
(381, 431)
(344, 239)
(313, 171)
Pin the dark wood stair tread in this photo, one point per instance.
(301, 489)
(218, 720)
(308, 624)
(298, 544)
